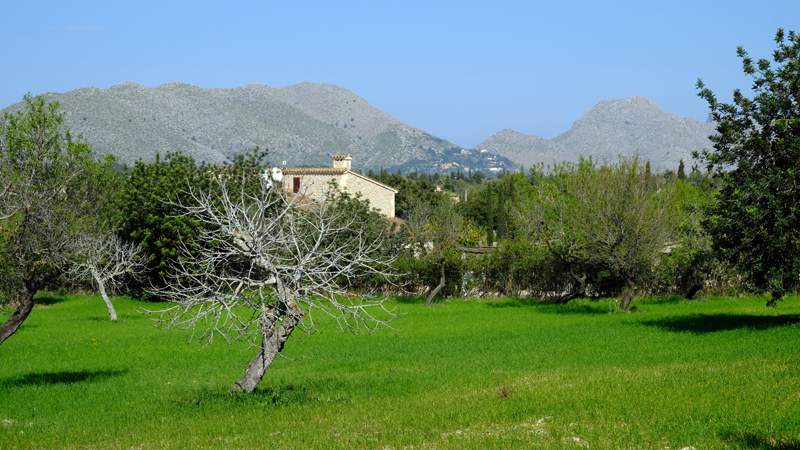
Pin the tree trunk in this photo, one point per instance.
(112, 314)
(692, 291)
(19, 315)
(271, 345)
(628, 296)
(438, 288)
(581, 291)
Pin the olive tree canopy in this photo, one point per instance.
(605, 226)
(53, 191)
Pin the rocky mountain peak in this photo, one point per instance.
(612, 127)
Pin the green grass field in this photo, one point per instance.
(462, 374)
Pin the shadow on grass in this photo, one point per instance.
(107, 319)
(756, 441)
(48, 299)
(409, 300)
(578, 306)
(64, 376)
(289, 394)
(710, 323)
(666, 300)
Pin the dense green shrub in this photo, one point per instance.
(148, 211)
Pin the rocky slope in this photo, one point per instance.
(611, 128)
(301, 124)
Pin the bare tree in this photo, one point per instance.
(104, 260)
(267, 262)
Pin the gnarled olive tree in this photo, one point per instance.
(604, 225)
(52, 193)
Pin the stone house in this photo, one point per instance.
(313, 181)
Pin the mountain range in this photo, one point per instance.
(306, 123)
(611, 128)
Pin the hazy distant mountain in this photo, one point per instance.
(302, 125)
(611, 128)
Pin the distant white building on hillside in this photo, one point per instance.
(315, 180)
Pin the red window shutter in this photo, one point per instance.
(296, 187)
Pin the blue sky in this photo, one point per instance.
(459, 70)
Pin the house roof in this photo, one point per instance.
(364, 177)
(333, 171)
(314, 170)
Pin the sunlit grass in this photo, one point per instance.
(462, 374)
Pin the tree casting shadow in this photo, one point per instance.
(710, 323)
(64, 376)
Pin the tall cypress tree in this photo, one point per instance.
(681, 171)
(489, 216)
(502, 217)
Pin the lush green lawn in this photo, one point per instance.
(474, 374)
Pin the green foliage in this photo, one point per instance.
(503, 192)
(502, 214)
(434, 234)
(605, 226)
(523, 266)
(689, 263)
(51, 190)
(412, 190)
(148, 216)
(755, 221)
(372, 227)
(418, 275)
(147, 210)
(470, 234)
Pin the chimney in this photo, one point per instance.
(342, 161)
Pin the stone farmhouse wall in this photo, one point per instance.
(380, 197)
(316, 182)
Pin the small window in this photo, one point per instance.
(296, 187)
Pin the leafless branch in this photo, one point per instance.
(267, 262)
(104, 260)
